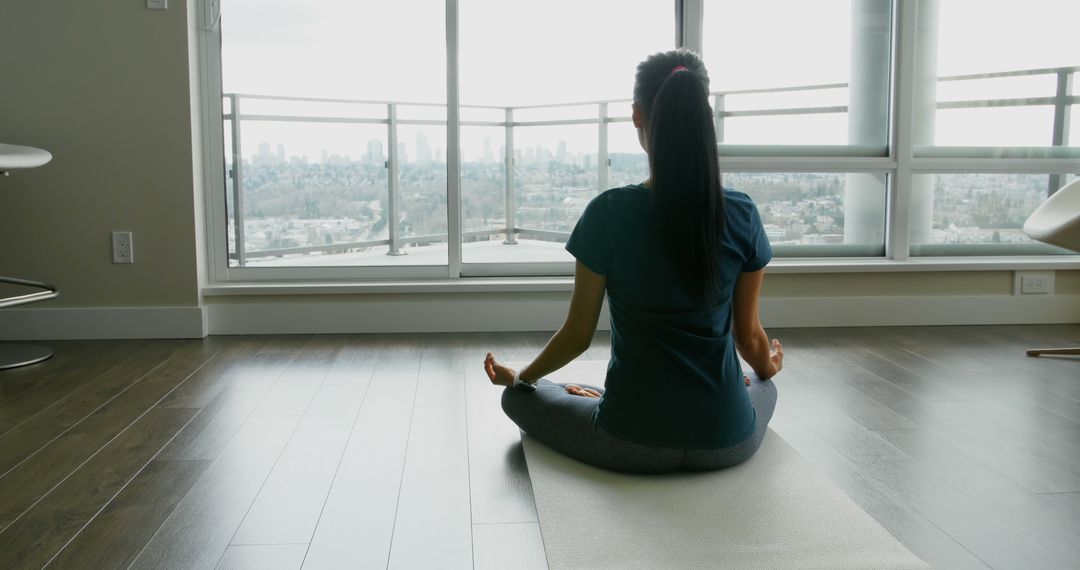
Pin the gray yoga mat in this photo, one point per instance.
(774, 511)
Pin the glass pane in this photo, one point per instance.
(314, 183)
(510, 58)
(1074, 128)
(555, 174)
(978, 214)
(1028, 126)
(818, 214)
(560, 113)
(314, 199)
(422, 193)
(830, 129)
(483, 191)
(793, 58)
(629, 163)
(305, 108)
(486, 114)
(960, 42)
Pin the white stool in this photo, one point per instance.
(1057, 222)
(14, 157)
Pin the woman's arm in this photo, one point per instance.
(577, 331)
(750, 338)
(569, 341)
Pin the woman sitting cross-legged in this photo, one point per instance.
(681, 260)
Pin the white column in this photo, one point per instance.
(453, 145)
(868, 114)
(923, 117)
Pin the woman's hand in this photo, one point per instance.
(579, 391)
(776, 356)
(499, 374)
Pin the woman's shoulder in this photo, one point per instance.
(738, 199)
(620, 197)
(630, 191)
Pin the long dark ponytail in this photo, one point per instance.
(672, 89)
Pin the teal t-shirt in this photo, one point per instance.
(674, 379)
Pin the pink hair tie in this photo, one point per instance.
(679, 68)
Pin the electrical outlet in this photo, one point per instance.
(1034, 283)
(123, 250)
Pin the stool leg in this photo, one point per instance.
(1040, 351)
(16, 355)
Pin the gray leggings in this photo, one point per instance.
(564, 422)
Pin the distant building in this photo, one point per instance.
(374, 152)
(423, 151)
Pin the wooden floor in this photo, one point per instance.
(391, 450)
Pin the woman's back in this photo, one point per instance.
(674, 379)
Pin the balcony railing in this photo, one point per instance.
(1061, 101)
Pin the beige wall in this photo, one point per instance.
(104, 86)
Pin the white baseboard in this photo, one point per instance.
(478, 313)
(102, 323)
(920, 310)
(495, 313)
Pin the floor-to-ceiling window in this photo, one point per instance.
(793, 92)
(335, 134)
(558, 76)
(864, 129)
(993, 97)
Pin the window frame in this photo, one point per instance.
(900, 162)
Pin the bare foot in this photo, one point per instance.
(579, 391)
(499, 374)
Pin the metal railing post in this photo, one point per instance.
(238, 179)
(718, 116)
(1062, 118)
(392, 181)
(508, 161)
(603, 162)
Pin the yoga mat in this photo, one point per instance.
(773, 511)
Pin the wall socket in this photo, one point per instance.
(123, 250)
(1033, 283)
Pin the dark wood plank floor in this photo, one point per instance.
(391, 450)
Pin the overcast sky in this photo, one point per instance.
(547, 51)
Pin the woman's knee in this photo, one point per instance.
(510, 401)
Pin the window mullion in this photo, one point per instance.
(453, 143)
(897, 242)
(689, 24)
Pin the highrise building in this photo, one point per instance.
(264, 156)
(374, 152)
(423, 151)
